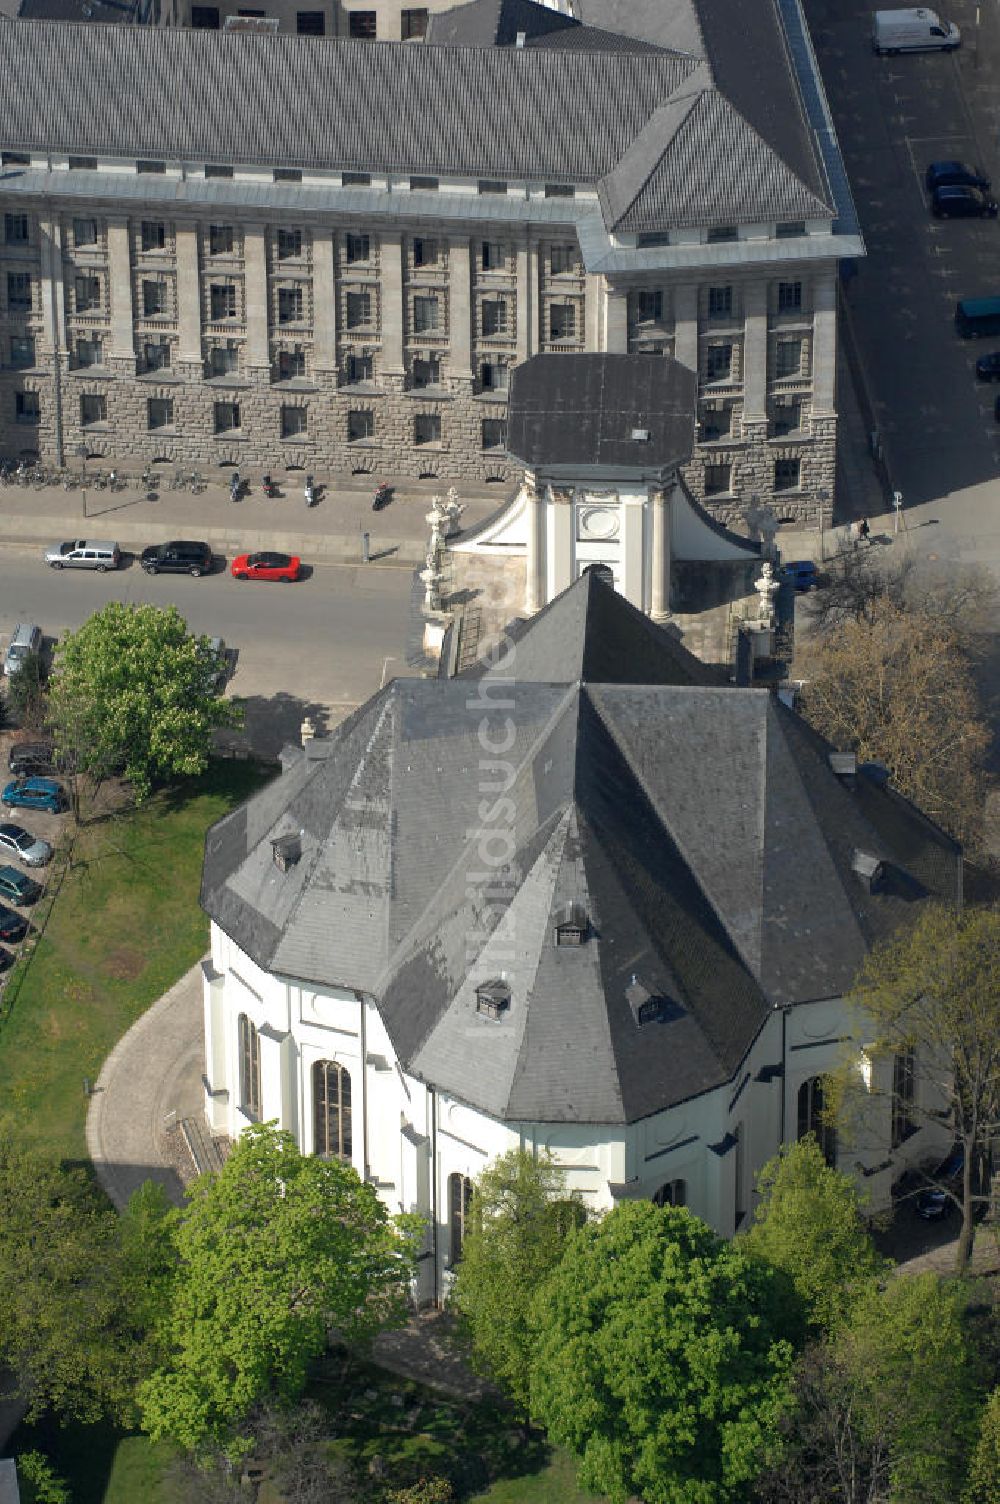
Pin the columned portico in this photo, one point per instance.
(659, 592)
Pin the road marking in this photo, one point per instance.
(385, 665)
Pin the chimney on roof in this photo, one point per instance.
(287, 849)
(845, 765)
(869, 869)
(521, 38)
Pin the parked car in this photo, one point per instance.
(16, 887)
(13, 927)
(31, 757)
(25, 641)
(179, 557)
(19, 843)
(934, 1202)
(267, 566)
(6, 959)
(801, 574)
(84, 553)
(217, 663)
(962, 203)
(954, 174)
(34, 793)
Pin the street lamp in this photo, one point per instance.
(824, 496)
(81, 450)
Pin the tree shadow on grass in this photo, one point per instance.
(83, 1455)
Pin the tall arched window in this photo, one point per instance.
(812, 1119)
(331, 1110)
(249, 1046)
(459, 1203)
(672, 1193)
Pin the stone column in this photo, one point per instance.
(755, 351)
(188, 295)
(686, 325)
(324, 301)
(534, 574)
(460, 309)
(592, 311)
(632, 552)
(558, 513)
(527, 301)
(392, 306)
(659, 594)
(615, 320)
(256, 292)
(120, 277)
(824, 351)
(51, 283)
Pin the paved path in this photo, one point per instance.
(155, 1069)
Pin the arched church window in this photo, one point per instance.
(249, 1048)
(812, 1118)
(459, 1205)
(331, 1110)
(671, 1193)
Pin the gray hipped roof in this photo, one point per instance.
(699, 828)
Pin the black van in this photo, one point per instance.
(180, 557)
(977, 316)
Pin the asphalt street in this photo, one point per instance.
(320, 646)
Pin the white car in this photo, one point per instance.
(19, 843)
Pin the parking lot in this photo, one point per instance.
(49, 827)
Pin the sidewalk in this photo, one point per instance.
(330, 531)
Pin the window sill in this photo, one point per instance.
(361, 389)
(434, 446)
(430, 393)
(787, 491)
(165, 432)
(227, 383)
(98, 373)
(371, 443)
(231, 436)
(720, 495)
(795, 436)
(298, 440)
(500, 398)
(725, 441)
(294, 384)
(160, 378)
(98, 428)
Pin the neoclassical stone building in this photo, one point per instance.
(593, 900)
(271, 250)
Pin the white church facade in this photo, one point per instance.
(593, 901)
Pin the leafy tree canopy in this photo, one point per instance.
(517, 1234)
(984, 1471)
(662, 1357)
(808, 1223)
(132, 689)
(274, 1252)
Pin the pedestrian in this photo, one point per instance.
(864, 530)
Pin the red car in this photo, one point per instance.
(285, 567)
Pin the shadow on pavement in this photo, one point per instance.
(270, 721)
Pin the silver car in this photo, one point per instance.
(19, 843)
(84, 553)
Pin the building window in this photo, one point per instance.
(93, 409)
(227, 417)
(222, 301)
(459, 1207)
(19, 292)
(221, 239)
(422, 184)
(287, 175)
(787, 358)
(153, 235)
(812, 1119)
(562, 321)
(156, 355)
(222, 360)
(903, 1085)
(249, 1050)
(205, 17)
(27, 408)
(425, 314)
(413, 25)
(718, 480)
(289, 305)
(362, 25)
(493, 256)
(787, 418)
(310, 23)
(427, 428)
(291, 363)
(356, 248)
(22, 350)
(426, 372)
(160, 412)
(218, 170)
(791, 229)
(356, 179)
(562, 259)
(15, 159)
(559, 190)
(15, 229)
(359, 309)
(82, 164)
(786, 475)
(653, 240)
(716, 423)
(145, 165)
(491, 185)
(493, 376)
(360, 424)
(719, 233)
(739, 1177)
(719, 363)
(720, 302)
(90, 352)
(648, 306)
(425, 252)
(87, 294)
(494, 317)
(494, 433)
(359, 369)
(671, 1193)
(154, 299)
(294, 422)
(289, 245)
(331, 1110)
(789, 297)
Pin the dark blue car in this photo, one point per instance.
(34, 793)
(934, 1202)
(801, 574)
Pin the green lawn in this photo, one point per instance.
(124, 926)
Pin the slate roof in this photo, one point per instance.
(699, 825)
(495, 23)
(582, 410)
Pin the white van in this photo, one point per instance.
(24, 640)
(913, 31)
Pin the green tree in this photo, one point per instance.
(662, 1357)
(934, 992)
(984, 1470)
(808, 1223)
(517, 1234)
(132, 689)
(273, 1253)
(39, 1482)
